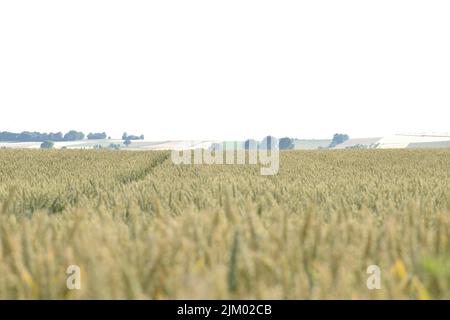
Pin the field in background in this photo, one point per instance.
(398, 141)
(141, 227)
(136, 145)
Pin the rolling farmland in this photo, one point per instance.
(140, 227)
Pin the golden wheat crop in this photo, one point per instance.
(141, 227)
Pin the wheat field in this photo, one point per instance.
(140, 227)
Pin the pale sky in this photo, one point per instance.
(225, 69)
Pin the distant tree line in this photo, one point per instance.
(267, 143)
(28, 136)
(96, 136)
(128, 137)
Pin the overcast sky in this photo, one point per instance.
(225, 69)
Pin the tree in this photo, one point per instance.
(47, 145)
(286, 143)
(127, 142)
(96, 136)
(55, 136)
(73, 136)
(338, 138)
(125, 136)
